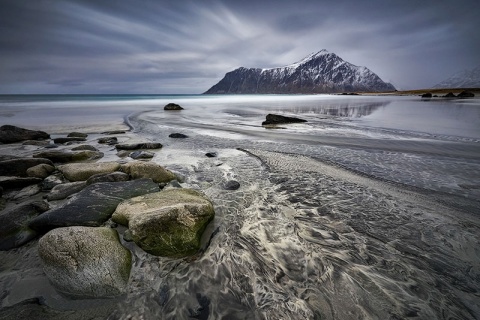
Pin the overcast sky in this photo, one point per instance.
(147, 46)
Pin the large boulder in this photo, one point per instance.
(272, 119)
(140, 169)
(83, 171)
(62, 156)
(14, 230)
(140, 145)
(167, 223)
(17, 182)
(85, 262)
(11, 134)
(172, 107)
(19, 166)
(64, 190)
(93, 205)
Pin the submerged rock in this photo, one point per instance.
(142, 145)
(11, 134)
(172, 107)
(140, 169)
(85, 262)
(62, 156)
(278, 119)
(93, 205)
(14, 230)
(167, 223)
(83, 171)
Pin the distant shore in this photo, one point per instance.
(417, 92)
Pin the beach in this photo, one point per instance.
(369, 210)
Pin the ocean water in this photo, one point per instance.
(369, 210)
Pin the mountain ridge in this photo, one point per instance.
(462, 79)
(319, 72)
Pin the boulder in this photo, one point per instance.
(53, 180)
(41, 171)
(85, 262)
(172, 107)
(84, 147)
(278, 119)
(93, 205)
(83, 171)
(108, 177)
(136, 146)
(426, 95)
(108, 140)
(140, 169)
(19, 166)
(77, 135)
(14, 230)
(11, 134)
(167, 223)
(70, 139)
(466, 94)
(63, 156)
(140, 154)
(178, 136)
(64, 190)
(10, 182)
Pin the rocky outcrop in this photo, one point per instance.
(11, 134)
(63, 156)
(85, 262)
(93, 205)
(19, 166)
(167, 223)
(136, 146)
(83, 171)
(14, 230)
(272, 119)
(140, 169)
(172, 107)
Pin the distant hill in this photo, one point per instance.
(462, 79)
(321, 72)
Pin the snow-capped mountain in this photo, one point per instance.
(321, 72)
(462, 79)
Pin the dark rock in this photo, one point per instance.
(211, 154)
(108, 140)
(77, 135)
(62, 156)
(62, 191)
(427, 95)
(19, 166)
(4, 157)
(172, 106)
(93, 205)
(11, 134)
(17, 182)
(24, 193)
(136, 146)
(53, 180)
(466, 94)
(51, 146)
(14, 230)
(141, 155)
(39, 143)
(114, 132)
(231, 185)
(65, 140)
(178, 135)
(84, 147)
(108, 177)
(278, 119)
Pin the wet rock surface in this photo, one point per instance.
(272, 119)
(139, 169)
(11, 134)
(83, 171)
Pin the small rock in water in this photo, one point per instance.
(108, 140)
(231, 185)
(211, 154)
(178, 135)
(278, 119)
(427, 95)
(84, 147)
(141, 155)
(77, 135)
(114, 132)
(51, 146)
(172, 106)
(136, 146)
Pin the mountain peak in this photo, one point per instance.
(319, 72)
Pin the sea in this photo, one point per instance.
(369, 210)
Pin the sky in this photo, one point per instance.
(182, 46)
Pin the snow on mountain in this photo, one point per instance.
(462, 79)
(320, 72)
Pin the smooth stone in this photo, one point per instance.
(19, 166)
(84, 147)
(65, 140)
(64, 190)
(135, 146)
(62, 156)
(77, 135)
(14, 230)
(39, 143)
(167, 223)
(211, 154)
(278, 119)
(53, 180)
(83, 171)
(108, 140)
(178, 136)
(172, 107)
(140, 154)
(93, 205)
(11, 134)
(85, 262)
(108, 177)
(40, 171)
(27, 192)
(140, 169)
(10, 182)
(231, 185)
